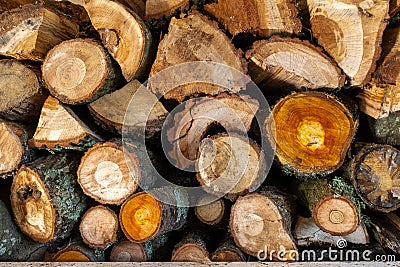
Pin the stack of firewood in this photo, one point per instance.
(73, 189)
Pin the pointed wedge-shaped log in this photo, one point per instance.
(77, 251)
(375, 174)
(98, 227)
(307, 233)
(143, 216)
(385, 228)
(40, 211)
(108, 174)
(258, 17)
(116, 111)
(281, 63)
(194, 38)
(227, 251)
(333, 203)
(230, 165)
(31, 31)
(14, 150)
(351, 32)
(124, 34)
(15, 246)
(312, 132)
(80, 71)
(191, 248)
(188, 126)
(21, 94)
(156, 9)
(59, 127)
(262, 221)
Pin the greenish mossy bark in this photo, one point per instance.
(82, 146)
(14, 245)
(76, 244)
(386, 130)
(156, 249)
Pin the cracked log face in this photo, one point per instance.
(156, 9)
(375, 175)
(283, 62)
(230, 164)
(11, 147)
(191, 39)
(123, 33)
(98, 227)
(59, 126)
(127, 251)
(312, 132)
(351, 32)
(189, 125)
(260, 17)
(104, 175)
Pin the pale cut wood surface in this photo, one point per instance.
(160, 8)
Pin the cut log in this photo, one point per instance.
(230, 165)
(15, 246)
(262, 221)
(283, 62)
(98, 227)
(307, 233)
(59, 127)
(351, 32)
(104, 174)
(381, 97)
(258, 17)
(40, 211)
(190, 125)
(375, 174)
(209, 210)
(156, 9)
(124, 34)
(146, 215)
(333, 203)
(79, 71)
(191, 248)
(385, 228)
(386, 130)
(312, 132)
(227, 251)
(31, 31)
(137, 6)
(116, 111)
(21, 95)
(77, 251)
(191, 39)
(14, 150)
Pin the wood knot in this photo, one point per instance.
(110, 39)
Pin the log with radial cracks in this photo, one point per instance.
(351, 32)
(263, 220)
(375, 173)
(191, 248)
(260, 17)
(188, 126)
(126, 109)
(191, 39)
(104, 174)
(21, 94)
(40, 211)
(381, 96)
(98, 227)
(59, 127)
(144, 216)
(80, 71)
(123, 33)
(230, 165)
(284, 62)
(31, 31)
(156, 9)
(312, 132)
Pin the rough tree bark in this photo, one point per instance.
(191, 248)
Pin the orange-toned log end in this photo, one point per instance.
(375, 176)
(104, 174)
(227, 256)
(312, 132)
(190, 253)
(126, 251)
(32, 206)
(70, 255)
(11, 149)
(336, 215)
(99, 226)
(210, 211)
(140, 217)
(256, 224)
